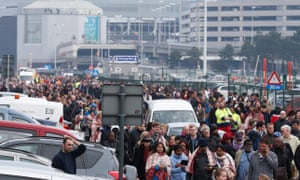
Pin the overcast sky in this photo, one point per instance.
(126, 8)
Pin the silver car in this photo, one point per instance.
(11, 170)
(22, 156)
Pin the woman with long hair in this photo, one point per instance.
(158, 165)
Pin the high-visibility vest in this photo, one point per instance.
(221, 114)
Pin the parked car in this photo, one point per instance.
(13, 130)
(10, 170)
(23, 156)
(97, 161)
(13, 115)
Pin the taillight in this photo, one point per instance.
(115, 175)
(61, 120)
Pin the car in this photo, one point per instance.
(176, 128)
(170, 111)
(28, 171)
(224, 90)
(5, 93)
(13, 115)
(97, 161)
(23, 156)
(13, 130)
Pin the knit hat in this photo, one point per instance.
(202, 142)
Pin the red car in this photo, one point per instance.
(12, 130)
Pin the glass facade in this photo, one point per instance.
(33, 29)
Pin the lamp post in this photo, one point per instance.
(55, 44)
(140, 30)
(205, 39)
(160, 20)
(252, 23)
(55, 48)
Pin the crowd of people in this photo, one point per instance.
(258, 141)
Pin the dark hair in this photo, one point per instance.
(156, 145)
(295, 121)
(66, 139)
(247, 141)
(264, 141)
(259, 124)
(220, 146)
(177, 146)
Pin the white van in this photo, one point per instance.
(170, 111)
(35, 107)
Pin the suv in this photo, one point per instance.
(96, 161)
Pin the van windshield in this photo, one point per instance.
(173, 116)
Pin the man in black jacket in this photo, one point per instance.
(66, 158)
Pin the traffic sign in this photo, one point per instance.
(274, 79)
(274, 87)
(94, 73)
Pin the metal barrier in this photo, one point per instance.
(286, 99)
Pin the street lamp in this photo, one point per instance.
(160, 20)
(252, 23)
(55, 44)
(140, 30)
(205, 40)
(55, 47)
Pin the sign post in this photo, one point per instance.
(274, 82)
(122, 105)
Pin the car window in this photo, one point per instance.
(3, 157)
(53, 134)
(10, 133)
(175, 131)
(91, 157)
(19, 119)
(31, 161)
(32, 148)
(1, 116)
(50, 150)
(13, 177)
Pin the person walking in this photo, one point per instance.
(263, 161)
(65, 159)
(178, 163)
(242, 160)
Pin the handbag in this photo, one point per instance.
(281, 173)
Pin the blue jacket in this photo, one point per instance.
(67, 161)
(177, 173)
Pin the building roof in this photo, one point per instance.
(62, 7)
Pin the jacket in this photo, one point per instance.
(67, 161)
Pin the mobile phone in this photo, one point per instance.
(184, 162)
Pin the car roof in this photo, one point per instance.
(170, 104)
(25, 154)
(23, 168)
(50, 140)
(20, 125)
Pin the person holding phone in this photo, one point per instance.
(263, 161)
(179, 162)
